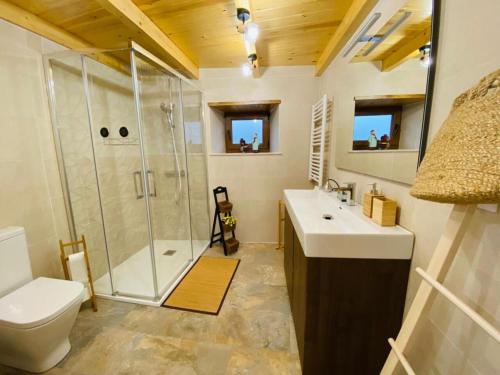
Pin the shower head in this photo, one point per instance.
(165, 108)
(169, 110)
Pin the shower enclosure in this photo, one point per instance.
(130, 141)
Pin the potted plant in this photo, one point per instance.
(229, 223)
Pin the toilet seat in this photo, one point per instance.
(38, 302)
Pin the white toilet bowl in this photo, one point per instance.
(35, 322)
(36, 316)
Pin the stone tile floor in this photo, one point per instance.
(253, 333)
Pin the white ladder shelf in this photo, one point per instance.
(439, 266)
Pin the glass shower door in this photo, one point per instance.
(119, 172)
(167, 187)
(197, 167)
(76, 159)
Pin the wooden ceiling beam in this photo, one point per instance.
(29, 21)
(406, 49)
(353, 18)
(131, 16)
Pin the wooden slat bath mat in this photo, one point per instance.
(204, 287)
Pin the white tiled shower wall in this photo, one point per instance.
(29, 181)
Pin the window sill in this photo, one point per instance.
(245, 154)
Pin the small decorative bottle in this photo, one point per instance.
(255, 143)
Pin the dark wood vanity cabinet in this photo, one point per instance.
(343, 309)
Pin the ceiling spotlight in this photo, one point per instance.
(425, 55)
(251, 32)
(246, 69)
(252, 58)
(243, 14)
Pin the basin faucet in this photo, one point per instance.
(351, 188)
(329, 188)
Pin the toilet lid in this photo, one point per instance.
(38, 302)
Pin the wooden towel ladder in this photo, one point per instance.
(65, 258)
(433, 277)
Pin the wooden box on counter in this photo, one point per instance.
(368, 203)
(384, 211)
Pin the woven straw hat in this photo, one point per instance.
(462, 164)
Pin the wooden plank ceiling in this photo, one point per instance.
(188, 34)
(292, 32)
(414, 32)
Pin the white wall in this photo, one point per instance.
(412, 116)
(30, 189)
(447, 342)
(256, 181)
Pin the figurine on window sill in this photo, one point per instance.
(384, 142)
(243, 145)
(255, 143)
(372, 140)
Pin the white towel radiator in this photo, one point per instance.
(321, 115)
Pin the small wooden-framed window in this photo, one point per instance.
(242, 128)
(384, 123)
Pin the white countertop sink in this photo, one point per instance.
(349, 234)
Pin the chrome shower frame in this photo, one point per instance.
(134, 48)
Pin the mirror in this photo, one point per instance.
(387, 73)
(388, 122)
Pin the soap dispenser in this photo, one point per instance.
(368, 199)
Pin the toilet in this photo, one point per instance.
(36, 316)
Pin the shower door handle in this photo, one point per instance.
(152, 183)
(139, 195)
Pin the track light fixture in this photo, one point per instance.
(252, 58)
(251, 32)
(363, 37)
(243, 14)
